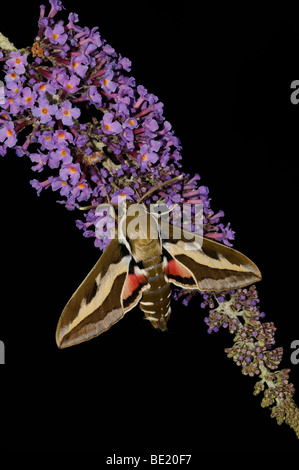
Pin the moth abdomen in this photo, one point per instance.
(155, 302)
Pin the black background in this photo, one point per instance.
(224, 77)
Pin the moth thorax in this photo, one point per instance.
(140, 225)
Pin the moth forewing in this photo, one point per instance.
(213, 265)
(97, 303)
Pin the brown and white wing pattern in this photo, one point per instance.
(98, 302)
(205, 264)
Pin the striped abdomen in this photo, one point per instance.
(155, 302)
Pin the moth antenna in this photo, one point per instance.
(165, 183)
(138, 195)
(108, 197)
(94, 206)
(87, 208)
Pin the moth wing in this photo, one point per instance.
(201, 263)
(98, 302)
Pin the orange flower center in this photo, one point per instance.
(54, 36)
(106, 82)
(13, 75)
(48, 137)
(18, 61)
(28, 99)
(63, 153)
(81, 186)
(9, 132)
(42, 87)
(66, 112)
(73, 169)
(75, 64)
(143, 158)
(44, 111)
(61, 135)
(69, 86)
(107, 127)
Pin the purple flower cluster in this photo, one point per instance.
(245, 300)
(71, 105)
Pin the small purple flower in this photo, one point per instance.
(94, 96)
(62, 154)
(124, 63)
(13, 97)
(67, 113)
(155, 145)
(73, 18)
(44, 110)
(121, 109)
(28, 97)
(146, 156)
(109, 126)
(59, 75)
(109, 50)
(131, 123)
(46, 140)
(228, 234)
(62, 137)
(14, 89)
(128, 136)
(70, 84)
(122, 195)
(58, 183)
(151, 124)
(79, 65)
(17, 61)
(57, 35)
(40, 159)
(42, 87)
(56, 5)
(7, 134)
(82, 191)
(94, 37)
(70, 172)
(108, 85)
(39, 186)
(11, 76)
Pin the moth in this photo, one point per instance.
(140, 270)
